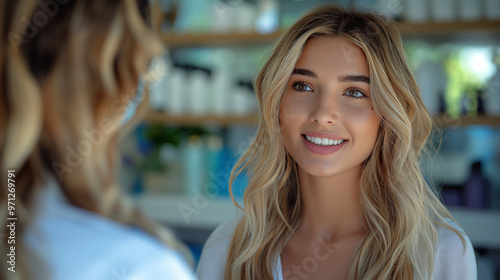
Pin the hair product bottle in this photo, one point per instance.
(476, 189)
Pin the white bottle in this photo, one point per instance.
(470, 10)
(194, 165)
(156, 97)
(431, 79)
(197, 93)
(223, 14)
(492, 100)
(245, 13)
(156, 78)
(239, 101)
(416, 11)
(390, 8)
(444, 10)
(221, 84)
(492, 9)
(268, 16)
(175, 103)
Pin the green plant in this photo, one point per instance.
(158, 135)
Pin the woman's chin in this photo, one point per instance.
(321, 171)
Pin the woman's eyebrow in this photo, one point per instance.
(342, 79)
(354, 78)
(305, 72)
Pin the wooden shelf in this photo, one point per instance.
(447, 28)
(190, 120)
(172, 210)
(407, 30)
(445, 121)
(219, 39)
(208, 213)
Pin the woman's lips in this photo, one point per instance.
(321, 149)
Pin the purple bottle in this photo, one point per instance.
(476, 189)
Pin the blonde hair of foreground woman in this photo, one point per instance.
(400, 209)
(75, 72)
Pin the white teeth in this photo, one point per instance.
(323, 141)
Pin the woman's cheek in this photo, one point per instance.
(290, 110)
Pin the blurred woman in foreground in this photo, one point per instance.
(68, 77)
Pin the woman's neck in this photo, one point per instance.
(330, 205)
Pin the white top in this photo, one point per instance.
(73, 243)
(450, 261)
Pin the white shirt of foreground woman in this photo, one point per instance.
(76, 244)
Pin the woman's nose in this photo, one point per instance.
(324, 111)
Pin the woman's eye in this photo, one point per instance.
(300, 86)
(355, 93)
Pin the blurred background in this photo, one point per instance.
(203, 109)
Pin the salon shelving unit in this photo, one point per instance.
(446, 121)
(408, 30)
(446, 28)
(218, 39)
(481, 225)
(190, 120)
(202, 213)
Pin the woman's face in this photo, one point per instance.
(326, 116)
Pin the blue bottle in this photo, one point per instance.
(476, 189)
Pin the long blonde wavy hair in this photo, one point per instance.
(68, 70)
(401, 210)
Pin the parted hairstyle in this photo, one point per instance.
(401, 210)
(68, 70)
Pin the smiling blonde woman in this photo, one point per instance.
(335, 188)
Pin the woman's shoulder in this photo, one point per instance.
(222, 234)
(156, 262)
(214, 254)
(110, 248)
(453, 258)
(146, 258)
